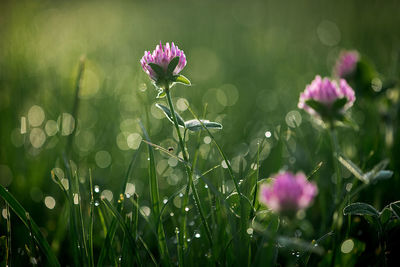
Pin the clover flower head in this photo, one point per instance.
(288, 193)
(325, 97)
(346, 64)
(162, 56)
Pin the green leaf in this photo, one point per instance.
(385, 215)
(157, 69)
(360, 209)
(182, 79)
(168, 114)
(353, 168)
(317, 106)
(300, 245)
(339, 103)
(395, 207)
(382, 175)
(155, 200)
(30, 225)
(125, 228)
(172, 65)
(195, 125)
(235, 202)
(266, 220)
(161, 94)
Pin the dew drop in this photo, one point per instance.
(96, 189)
(249, 231)
(197, 235)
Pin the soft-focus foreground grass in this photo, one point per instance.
(248, 62)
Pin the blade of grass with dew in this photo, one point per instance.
(244, 222)
(61, 229)
(135, 213)
(75, 236)
(107, 244)
(130, 168)
(9, 251)
(21, 213)
(254, 199)
(126, 258)
(197, 202)
(124, 227)
(195, 193)
(172, 196)
(219, 150)
(76, 248)
(32, 246)
(189, 173)
(155, 201)
(81, 224)
(91, 221)
(111, 232)
(75, 106)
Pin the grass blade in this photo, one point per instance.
(219, 150)
(155, 201)
(21, 213)
(125, 228)
(91, 221)
(9, 251)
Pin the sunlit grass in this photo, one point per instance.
(248, 64)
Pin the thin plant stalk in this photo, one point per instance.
(336, 220)
(230, 170)
(188, 171)
(9, 250)
(155, 201)
(91, 220)
(335, 154)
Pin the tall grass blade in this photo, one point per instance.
(125, 228)
(220, 151)
(21, 213)
(75, 106)
(155, 201)
(9, 250)
(91, 221)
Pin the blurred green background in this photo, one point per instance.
(248, 60)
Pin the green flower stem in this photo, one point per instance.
(338, 205)
(335, 154)
(189, 174)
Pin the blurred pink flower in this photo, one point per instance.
(326, 92)
(162, 56)
(288, 192)
(346, 63)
